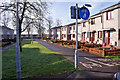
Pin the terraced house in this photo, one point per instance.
(100, 28)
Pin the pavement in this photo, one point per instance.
(7, 47)
(93, 66)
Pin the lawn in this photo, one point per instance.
(114, 57)
(36, 60)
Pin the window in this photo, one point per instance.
(99, 34)
(92, 21)
(64, 35)
(84, 24)
(101, 19)
(62, 29)
(109, 15)
(119, 34)
(88, 34)
(73, 27)
(73, 35)
(70, 28)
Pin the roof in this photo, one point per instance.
(56, 27)
(111, 7)
(6, 27)
(70, 24)
(115, 6)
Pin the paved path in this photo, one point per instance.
(7, 47)
(93, 65)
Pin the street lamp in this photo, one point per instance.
(87, 5)
(85, 11)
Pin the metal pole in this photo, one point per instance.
(76, 51)
(18, 67)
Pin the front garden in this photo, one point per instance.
(92, 48)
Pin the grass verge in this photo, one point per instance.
(114, 57)
(36, 60)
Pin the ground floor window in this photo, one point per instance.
(73, 35)
(99, 34)
(64, 35)
(111, 37)
(88, 34)
(119, 34)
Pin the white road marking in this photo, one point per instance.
(104, 59)
(90, 64)
(98, 61)
(86, 65)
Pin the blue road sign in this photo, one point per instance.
(84, 13)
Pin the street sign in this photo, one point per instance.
(73, 12)
(84, 13)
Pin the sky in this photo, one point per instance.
(60, 9)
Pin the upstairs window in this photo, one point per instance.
(101, 19)
(109, 15)
(70, 28)
(62, 29)
(92, 21)
(73, 27)
(84, 25)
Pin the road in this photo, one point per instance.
(92, 64)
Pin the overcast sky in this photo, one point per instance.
(60, 9)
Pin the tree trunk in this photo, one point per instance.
(28, 34)
(20, 24)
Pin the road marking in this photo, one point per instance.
(98, 61)
(86, 65)
(90, 64)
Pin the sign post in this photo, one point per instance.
(78, 13)
(18, 66)
(76, 51)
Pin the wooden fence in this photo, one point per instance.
(101, 52)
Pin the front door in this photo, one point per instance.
(92, 37)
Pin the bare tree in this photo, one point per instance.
(25, 8)
(58, 22)
(50, 22)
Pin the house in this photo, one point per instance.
(6, 33)
(71, 31)
(101, 28)
(55, 32)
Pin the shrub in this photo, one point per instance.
(9, 40)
